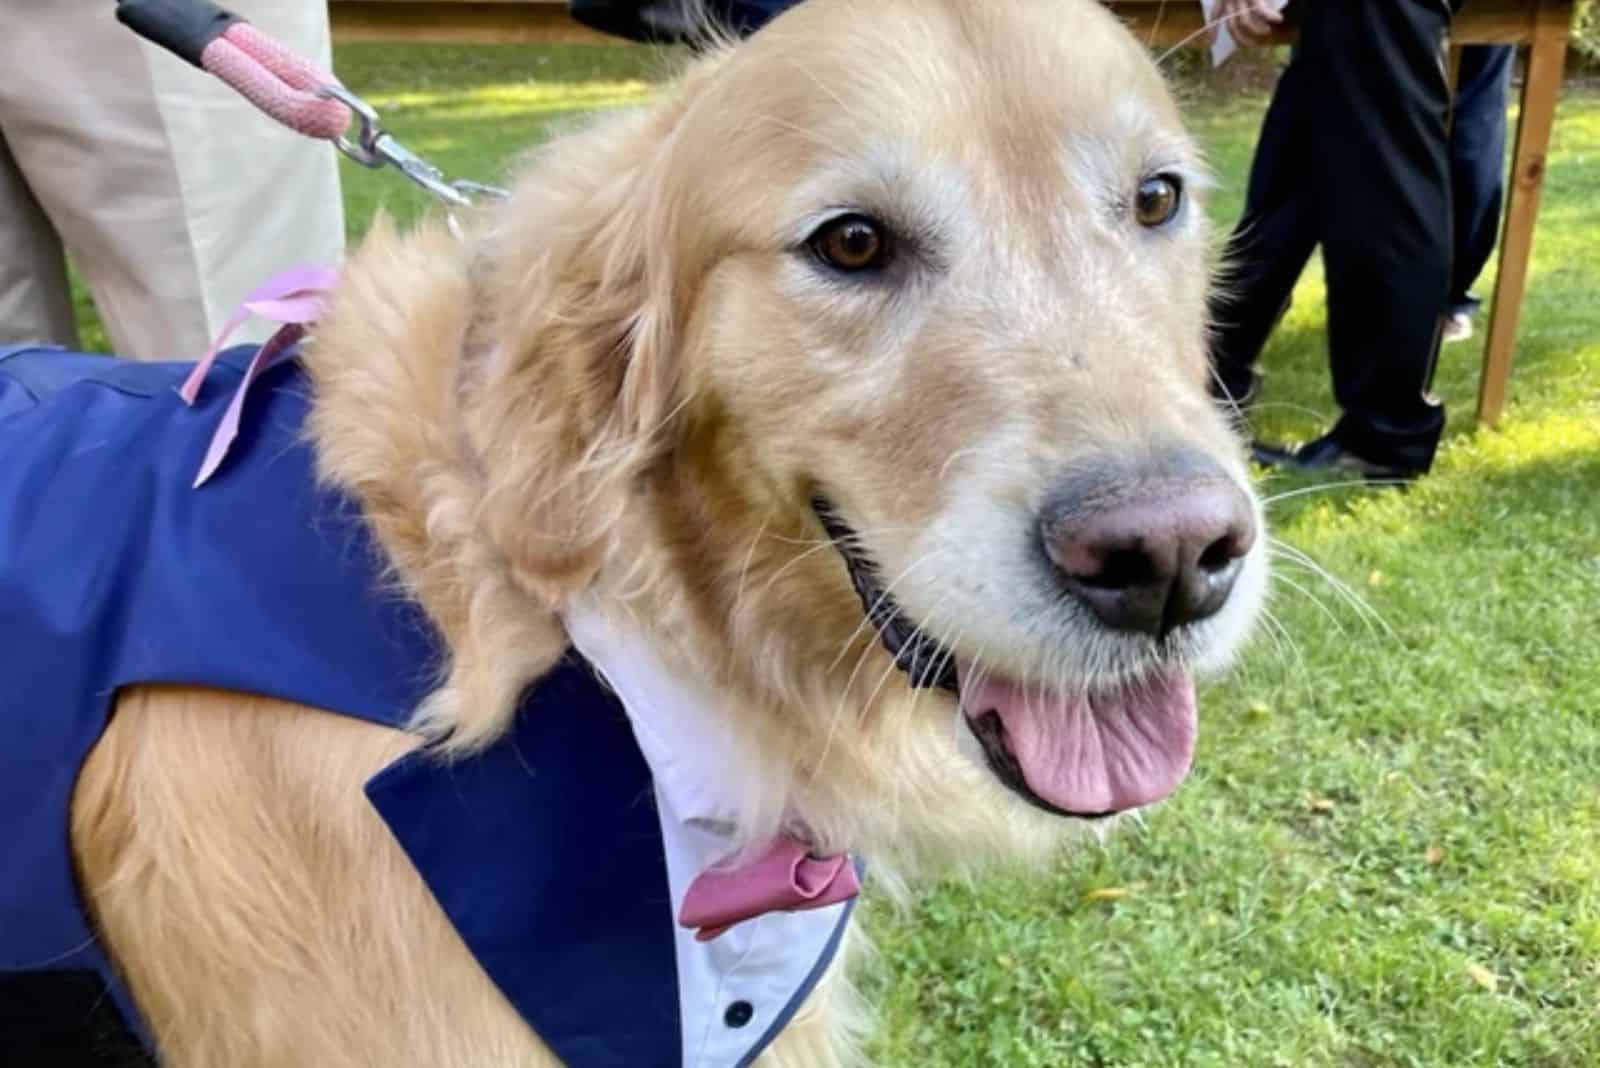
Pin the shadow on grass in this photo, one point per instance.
(1463, 488)
(381, 68)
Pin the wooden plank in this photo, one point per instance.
(1540, 88)
(1160, 22)
(1170, 22)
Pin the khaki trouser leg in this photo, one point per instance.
(35, 303)
(173, 196)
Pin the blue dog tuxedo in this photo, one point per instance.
(562, 854)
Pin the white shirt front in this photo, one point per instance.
(752, 972)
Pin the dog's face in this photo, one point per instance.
(950, 315)
(880, 344)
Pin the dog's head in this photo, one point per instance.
(877, 349)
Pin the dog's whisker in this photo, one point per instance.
(1282, 640)
(1291, 406)
(944, 468)
(1227, 398)
(816, 546)
(854, 537)
(1324, 487)
(627, 592)
(1283, 551)
(1354, 601)
(1373, 624)
(1207, 27)
(810, 136)
(868, 617)
(947, 643)
(793, 562)
(890, 670)
(811, 76)
(1280, 577)
(1275, 630)
(839, 712)
(1155, 26)
(898, 787)
(804, 543)
(744, 571)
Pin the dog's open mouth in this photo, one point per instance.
(1078, 754)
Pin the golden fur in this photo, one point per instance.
(625, 386)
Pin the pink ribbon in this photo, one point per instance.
(276, 80)
(785, 878)
(293, 298)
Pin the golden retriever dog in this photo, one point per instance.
(862, 377)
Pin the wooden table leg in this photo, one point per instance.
(1541, 86)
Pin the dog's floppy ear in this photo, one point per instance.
(577, 396)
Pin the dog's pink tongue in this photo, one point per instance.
(1102, 753)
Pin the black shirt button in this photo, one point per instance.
(738, 1014)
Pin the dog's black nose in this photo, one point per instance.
(1149, 547)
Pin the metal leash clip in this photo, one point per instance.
(375, 147)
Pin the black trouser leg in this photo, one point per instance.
(1273, 240)
(1383, 185)
(663, 20)
(1477, 162)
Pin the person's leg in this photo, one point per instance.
(257, 198)
(1477, 163)
(173, 195)
(665, 20)
(1383, 185)
(1271, 243)
(748, 16)
(35, 301)
(85, 133)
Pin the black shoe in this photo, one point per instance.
(1327, 455)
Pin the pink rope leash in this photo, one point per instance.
(294, 92)
(309, 100)
(277, 81)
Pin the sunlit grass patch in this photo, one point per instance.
(500, 101)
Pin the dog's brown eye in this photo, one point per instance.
(851, 243)
(1158, 200)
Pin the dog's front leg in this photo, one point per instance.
(260, 912)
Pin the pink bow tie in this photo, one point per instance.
(785, 878)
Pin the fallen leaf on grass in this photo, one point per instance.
(1483, 977)
(1375, 579)
(1107, 893)
(1318, 803)
(1434, 855)
(1113, 893)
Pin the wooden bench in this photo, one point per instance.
(1538, 26)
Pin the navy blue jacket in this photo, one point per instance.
(114, 572)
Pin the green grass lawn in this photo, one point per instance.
(1389, 853)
